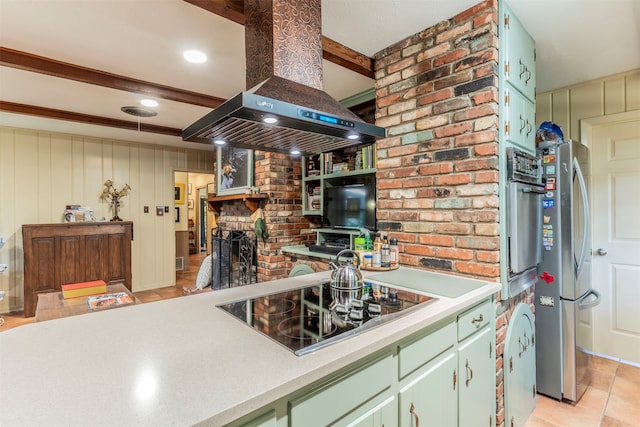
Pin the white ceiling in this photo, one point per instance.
(577, 40)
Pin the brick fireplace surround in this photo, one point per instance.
(437, 179)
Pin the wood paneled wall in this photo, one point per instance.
(42, 172)
(609, 95)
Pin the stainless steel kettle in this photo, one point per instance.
(346, 280)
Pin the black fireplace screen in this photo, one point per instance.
(233, 258)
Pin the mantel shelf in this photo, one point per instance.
(251, 200)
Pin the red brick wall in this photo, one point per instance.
(437, 180)
(437, 175)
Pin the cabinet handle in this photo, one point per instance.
(523, 68)
(413, 413)
(478, 319)
(529, 128)
(523, 123)
(454, 379)
(469, 374)
(528, 77)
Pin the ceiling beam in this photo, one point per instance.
(50, 113)
(332, 51)
(39, 64)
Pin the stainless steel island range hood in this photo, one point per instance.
(286, 108)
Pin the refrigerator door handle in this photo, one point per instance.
(585, 206)
(583, 305)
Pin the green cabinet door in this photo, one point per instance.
(519, 121)
(520, 65)
(430, 398)
(384, 414)
(520, 367)
(477, 380)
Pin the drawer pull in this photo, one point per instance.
(469, 374)
(413, 413)
(477, 320)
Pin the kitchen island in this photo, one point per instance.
(185, 362)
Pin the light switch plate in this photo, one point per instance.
(166, 209)
(146, 209)
(159, 210)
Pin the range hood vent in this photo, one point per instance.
(289, 90)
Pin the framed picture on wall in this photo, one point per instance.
(234, 170)
(178, 194)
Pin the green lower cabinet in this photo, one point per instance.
(430, 398)
(443, 376)
(477, 379)
(267, 420)
(384, 414)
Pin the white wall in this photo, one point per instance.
(42, 172)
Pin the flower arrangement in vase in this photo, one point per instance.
(111, 194)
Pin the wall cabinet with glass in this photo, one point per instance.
(330, 169)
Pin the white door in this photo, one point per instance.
(615, 191)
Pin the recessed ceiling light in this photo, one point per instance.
(195, 56)
(353, 136)
(295, 152)
(219, 141)
(149, 102)
(270, 120)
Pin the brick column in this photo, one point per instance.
(437, 180)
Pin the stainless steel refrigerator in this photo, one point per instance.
(563, 290)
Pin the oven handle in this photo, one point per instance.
(533, 190)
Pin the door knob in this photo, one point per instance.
(601, 252)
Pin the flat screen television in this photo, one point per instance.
(351, 206)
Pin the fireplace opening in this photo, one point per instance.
(234, 258)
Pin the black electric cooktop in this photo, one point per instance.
(304, 319)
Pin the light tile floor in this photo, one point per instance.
(612, 400)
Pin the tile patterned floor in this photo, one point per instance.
(612, 400)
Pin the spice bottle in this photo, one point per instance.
(393, 252)
(377, 251)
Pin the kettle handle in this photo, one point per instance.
(345, 251)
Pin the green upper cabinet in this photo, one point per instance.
(517, 83)
(520, 54)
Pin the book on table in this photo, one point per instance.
(82, 289)
(100, 302)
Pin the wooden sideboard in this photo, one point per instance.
(55, 254)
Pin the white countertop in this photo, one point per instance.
(175, 362)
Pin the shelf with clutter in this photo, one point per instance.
(333, 169)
